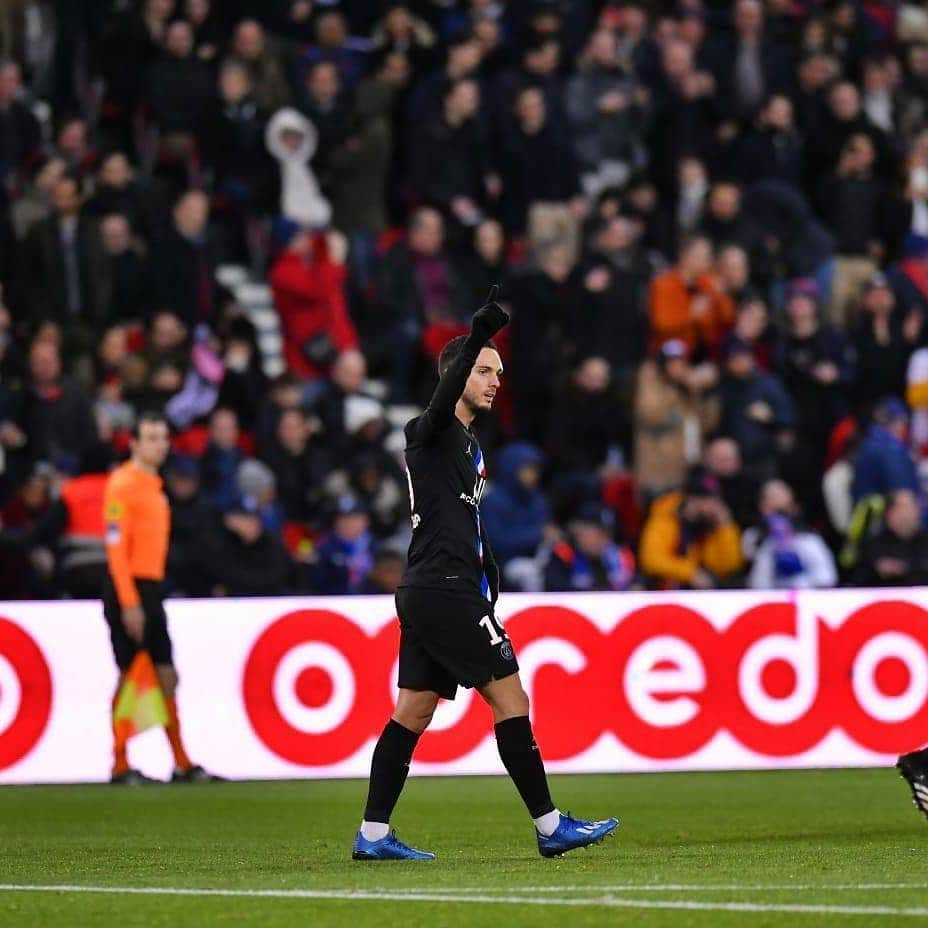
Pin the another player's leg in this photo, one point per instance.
(389, 769)
(557, 833)
(913, 768)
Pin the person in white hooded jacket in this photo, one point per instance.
(292, 139)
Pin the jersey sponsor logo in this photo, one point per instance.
(114, 510)
(113, 534)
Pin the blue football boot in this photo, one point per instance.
(389, 848)
(572, 833)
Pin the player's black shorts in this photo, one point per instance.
(155, 639)
(450, 638)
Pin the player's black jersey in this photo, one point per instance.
(446, 473)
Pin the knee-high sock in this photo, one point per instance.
(522, 759)
(181, 759)
(389, 768)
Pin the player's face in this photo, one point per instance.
(485, 378)
(153, 444)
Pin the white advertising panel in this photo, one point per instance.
(301, 687)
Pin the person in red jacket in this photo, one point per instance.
(307, 283)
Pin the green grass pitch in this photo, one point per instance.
(781, 849)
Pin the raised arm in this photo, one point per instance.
(439, 415)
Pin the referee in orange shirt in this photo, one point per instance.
(138, 526)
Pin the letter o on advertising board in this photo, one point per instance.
(25, 693)
(306, 687)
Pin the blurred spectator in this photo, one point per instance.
(541, 182)
(307, 284)
(451, 165)
(36, 201)
(250, 45)
(724, 461)
(686, 303)
(854, 201)
(373, 479)
(54, 412)
(606, 116)
(239, 557)
(756, 409)
(292, 140)
(190, 514)
(751, 64)
(20, 133)
(882, 343)
(25, 573)
(897, 555)
(816, 366)
(233, 146)
(542, 301)
(119, 190)
(345, 557)
(689, 538)
(417, 285)
(73, 147)
(65, 273)
(884, 463)
(590, 560)
(675, 410)
(257, 488)
(401, 31)
(128, 273)
(334, 44)
(358, 168)
(180, 88)
(386, 573)
(774, 149)
(221, 460)
(299, 464)
(324, 103)
(185, 258)
(788, 556)
(589, 429)
(515, 511)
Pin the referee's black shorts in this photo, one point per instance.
(155, 639)
(450, 638)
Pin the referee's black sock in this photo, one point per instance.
(522, 759)
(389, 768)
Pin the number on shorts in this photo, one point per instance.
(487, 623)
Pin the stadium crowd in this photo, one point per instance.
(709, 222)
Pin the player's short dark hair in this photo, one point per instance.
(451, 351)
(150, 415)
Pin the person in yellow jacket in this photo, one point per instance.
(689, 539)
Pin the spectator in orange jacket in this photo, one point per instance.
(690, 539)
(688, 302)
(308, 292)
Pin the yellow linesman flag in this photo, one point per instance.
(140, 704)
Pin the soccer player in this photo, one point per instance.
(449, 633)
(138, 523)
(913, 768)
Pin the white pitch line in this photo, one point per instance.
(703, 887)
(376, 896)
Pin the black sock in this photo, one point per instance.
(522, 759)
(389, 767)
